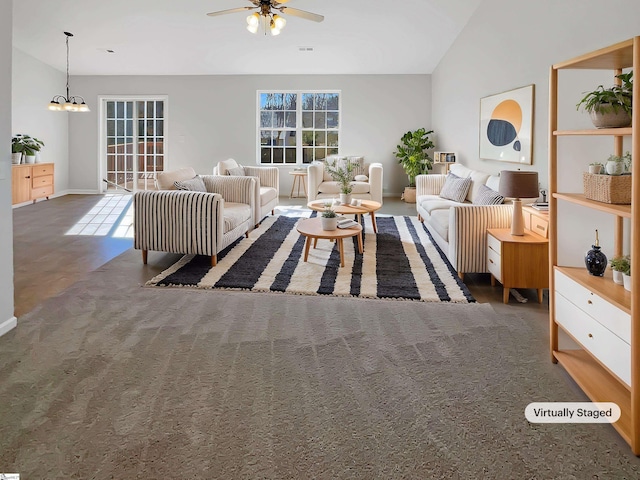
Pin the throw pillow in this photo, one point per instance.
(487, 196)
(236, 172)
(195, 184)
(361, 178)
(455, 188)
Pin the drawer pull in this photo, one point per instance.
(539, 227)
(590, 336)
(491, 261)
(589, 302)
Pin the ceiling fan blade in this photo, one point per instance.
(232, 10)
(277, 3)
(302, 14)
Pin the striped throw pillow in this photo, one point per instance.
(196, 184)
(487, 196)
(455, 188)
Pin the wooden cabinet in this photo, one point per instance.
(602, 317)
(537, 221)
(31, 182)
(517, 261)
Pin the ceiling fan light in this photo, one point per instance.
(279, 21)
(253, 19)
(274, 29)
(252, 28)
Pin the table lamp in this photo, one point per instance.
(517, 185)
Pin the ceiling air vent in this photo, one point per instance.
(305, 49)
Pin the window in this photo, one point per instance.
(134, 143)
(297, 127)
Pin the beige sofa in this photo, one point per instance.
(460, 229)
(321, 185)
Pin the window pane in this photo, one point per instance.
(307, 101)
(307, 120)
(278, 137)
(111, 127)
(332, 119)
(265, 137)
(266, 120)
(290, 155)
(321, 153)
(120, 109)
(111, 110)
(290, 139)
(321, 139)
(150, 129)
(160, 146)
(278, 119)
(129, 145)
(321, 120)
(111, 162)
(129, 127)
(278, 155)
(307, 155)
(160, 109)
(150, 109)
(119, 127)
(320, 101)
(265, 155)
(332, 151)
(140, 109)
(307, 137)
(159, 128)
(332, 139)
(129, 109)
(332, 101)
(290, 120)
(111, 143)
(290, 101)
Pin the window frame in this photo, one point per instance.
(298, 128)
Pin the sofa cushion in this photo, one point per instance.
(236, 171)
(329, 187)
(455, 188)
(493, 182)
(225, 165)
(478, 180)
(439, 220)
(166, 180)
(195, 184)
(430, 203)
(235, 214)
(487, 196)
(334, 187)
(361, 178)
(267, 194)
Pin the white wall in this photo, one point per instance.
(34, 84)
(7, 320)
(216, 117)
(509, 44)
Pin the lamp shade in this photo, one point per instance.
(518, 184)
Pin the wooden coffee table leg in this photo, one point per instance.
(373, 222)
(315, 242)
(360, 247)
(341, 248)
(307, 244)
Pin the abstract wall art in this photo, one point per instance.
(506, 126)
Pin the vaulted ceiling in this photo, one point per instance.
(176, 37)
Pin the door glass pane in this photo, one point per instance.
(159, 128)
(111, 127)
(111, 109)
(159, 109)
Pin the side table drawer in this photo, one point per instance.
(539, 226)
(41, 181)
(494, 263)
(494, 244)
(610, 349)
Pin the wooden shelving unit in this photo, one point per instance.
(591, 372)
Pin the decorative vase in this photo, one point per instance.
(329, 223)
(595, 260)
(614, 168)
(16, 158)
(29, 159)
(626, 281)
(345, 198)
(595, 169)
(617, 277)
(38, 159)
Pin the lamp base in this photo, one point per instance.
(517, 223)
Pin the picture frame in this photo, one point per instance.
(506, 126)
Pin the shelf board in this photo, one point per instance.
(603, 286)
(598, 384)
(616, 132)
(580, 199)
(613, 57)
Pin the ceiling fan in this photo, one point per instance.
(265, 12)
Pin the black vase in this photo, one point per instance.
(596, 261)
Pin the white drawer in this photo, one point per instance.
(610, 349)
(494, 262)
(595, 306)
(494, 244)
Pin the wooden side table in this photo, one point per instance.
(311, 228)
(518, 261)
(298, 178)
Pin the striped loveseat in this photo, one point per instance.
(192, 222)
(460, 229)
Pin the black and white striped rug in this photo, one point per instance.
(400, 262)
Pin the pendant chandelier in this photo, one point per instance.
(68, 103)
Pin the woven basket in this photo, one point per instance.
(607, 188)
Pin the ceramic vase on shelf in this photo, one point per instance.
(595, 169)
(614, 168)
(626, 281)
(595, 260)
(617, 277)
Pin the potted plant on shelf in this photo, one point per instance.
(343, 174)
(610, 107)
(595, 167)
(415, 160)
(619, 265)
(616, 164)
(626, 274)
(328, 218)
(27, 146)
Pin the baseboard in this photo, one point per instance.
(8, 325)
(82, 192)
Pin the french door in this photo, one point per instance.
(133, 145)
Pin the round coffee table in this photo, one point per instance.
(368, 206)
(311, 228)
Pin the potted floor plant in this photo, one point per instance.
(610, 107)
(415, 160)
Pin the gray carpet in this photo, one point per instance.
(111, 380)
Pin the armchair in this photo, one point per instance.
(321, 185)
(267, 184)
(194, 222)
